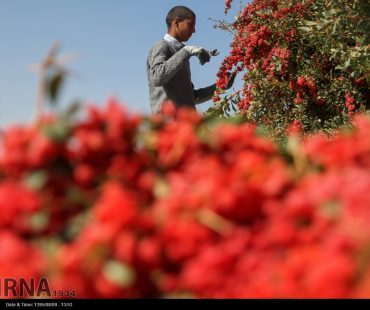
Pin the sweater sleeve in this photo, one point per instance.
(163, 66)
(204, 94)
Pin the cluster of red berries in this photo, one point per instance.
(122, 206)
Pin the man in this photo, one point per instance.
(168, 66)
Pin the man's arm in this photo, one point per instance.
(204, 94)
(162, 66)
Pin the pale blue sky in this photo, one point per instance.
(112, 38)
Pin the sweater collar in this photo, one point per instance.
(173, 41)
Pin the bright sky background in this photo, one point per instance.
(112, 37)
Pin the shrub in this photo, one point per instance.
(305, 62)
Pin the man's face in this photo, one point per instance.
(185, 28)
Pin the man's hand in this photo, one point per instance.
(231, 80)
(202, 54)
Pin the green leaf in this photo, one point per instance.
(58, 131)
(36, 180)
(334, 28)
(71, 111)
(119, 273)
(310, 23)
(347, 63)
(39, 221)
(306, 29)
(161, 188)
(54, 85)
(331, 12)
(75, 226)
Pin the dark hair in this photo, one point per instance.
(179, 11)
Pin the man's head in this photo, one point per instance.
(181, 23)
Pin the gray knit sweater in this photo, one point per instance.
(169, 78)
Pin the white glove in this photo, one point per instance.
(203, 55)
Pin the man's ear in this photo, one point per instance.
(176, 22)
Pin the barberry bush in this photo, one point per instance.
(115, 206)
(304, 63)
